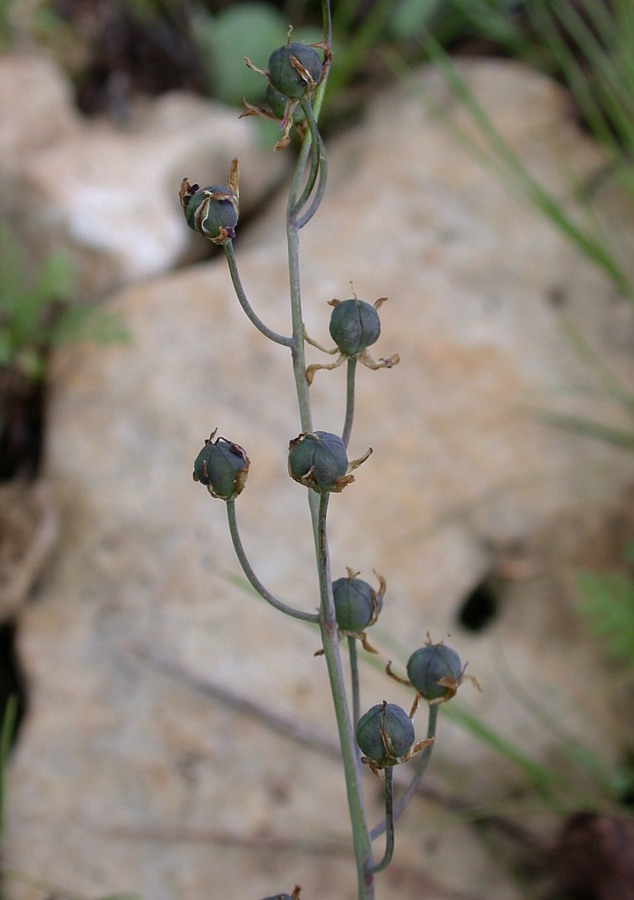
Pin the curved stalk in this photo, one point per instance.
(250, 574)
(320, 153)
(246, 306)
(389, 822)
(315, 158)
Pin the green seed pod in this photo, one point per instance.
(354, 326)
(295, 70)
(385, 734)
(223, 467)
(278, 103)
(213, 212)
(319, 461)
(435, 671)
(357, 604)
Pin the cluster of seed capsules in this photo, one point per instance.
(294, 73)
(316, 459)
(319, 459)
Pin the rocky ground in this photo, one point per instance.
(133, 771)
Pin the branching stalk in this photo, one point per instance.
(246, 306)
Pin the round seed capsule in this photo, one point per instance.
(356, 604)
(435, 671)
(354, 326)
(385, 734)
(213, 212)
(319, 461)
(294, 79)
(222, 467)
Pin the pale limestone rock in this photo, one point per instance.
(124, 778)
(36, 108)
(107, 193)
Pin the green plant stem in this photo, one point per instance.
(314, 160)
(250, 574)
(317, 147)
(389, 822)
(421, 766)
(354, 680)
(246, 306)
(350, 758)
(350, 373)
(318, 508)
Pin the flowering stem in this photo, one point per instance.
(253, 579)
(328, 624)
(389, 822)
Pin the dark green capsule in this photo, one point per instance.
(385, 734)
(290, 81)
(319, 461)
(223, 467)
(354, 326)
(213, 212)
(277, 103)
(435, 671)
(355, 604)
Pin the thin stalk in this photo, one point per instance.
(246, 306)
(350, 758)
(350, 373)
(421, 766)
(354, 680)
(298, 350)
(320, 153)
(389, 822)
(250, 574)
(315, 156)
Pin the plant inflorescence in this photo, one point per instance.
(384, 736)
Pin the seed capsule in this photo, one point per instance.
(354, 326)
(213, 211)
(435, 671)
(385, 734)
(319, 461)
(357, 604)
(295, 70)
(223, 467)
(278, 103)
